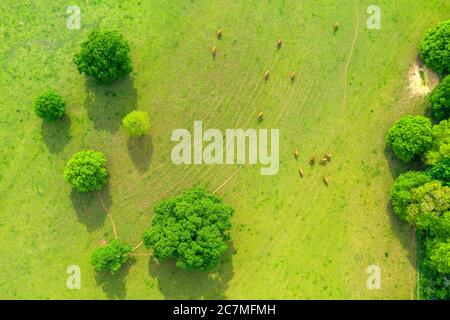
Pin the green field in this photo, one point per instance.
(292, 238)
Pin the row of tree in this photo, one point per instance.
(422, 198)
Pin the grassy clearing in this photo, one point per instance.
(292, 238)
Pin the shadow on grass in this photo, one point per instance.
(56, 134)
(141, 150)
(107, 105)
(88, 208)
(181, 284)
(114, 284)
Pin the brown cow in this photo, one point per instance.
(292, 75)
(219, 34)
(326, 180)
(214, 51)
(300, 172)
(279, 43)
(335, 27)
(296, 153)
(323, 161)
(267, 75)
(312, 160)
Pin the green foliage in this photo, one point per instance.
(440, 257)
(192, 227)
(410, 136)
(86, 171)
(111, 256)
(440, 99)
(441, 143)
(105, 56)
(430, 209)
(441, 171)
(136, 123)
(400, 191)
(435, 48)
(50, 105)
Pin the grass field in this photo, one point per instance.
(292, 238)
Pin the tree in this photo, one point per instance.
(192, 228)
(111, 256)
(430, 209)
(434, 49)
(441, 143)
(104, 56)
(440, 99)
(50, 105)
(441, 171)
(86, 171)
(439, 257)
(136, 123)
(409, 137)
(401, 191)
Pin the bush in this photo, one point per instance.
(430, 209)
(440, 257)
(111, 256)
(435, 48)
(441, 143)
(192, 227)
(86, 171)
(409, 137)
(400, 192)
(104, 56)
(440, 99)
(50, 105)
(441, 171)
(136, 123)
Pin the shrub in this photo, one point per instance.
(441, 143)
(435, 48)
(440, 99)
(86, 171)
(136, 123)
(50, 105)
(192, 227)
(440, 257)
(430, 209)
(104, 56)
(111, 256)
(400, 191)
(441, 171)
(409, 137)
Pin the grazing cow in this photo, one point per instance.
(292, 75)
(279, 43)
(336, 27)
(312, 160)
(219, 34)
(214, 51)
(327, 156)
(300, 172)
(296, 153)
(260, 116)
(323, 161)
(267, 75)
(326, 180)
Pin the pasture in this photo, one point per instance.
(293, 238)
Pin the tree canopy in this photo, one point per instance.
(86, 171)
(441, 143)
(441, 171)
(105, 56)
(192, 228)
(50, 105)
(440, 256)
(410, 136)
(440, 99)
(434, 49)
(111, 256)
(136, 123)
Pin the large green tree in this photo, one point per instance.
(435, 48)
(105, 56)
(111, 256)
(441, 171)
(440, 256)
(441, 143)
(50, 105)
(410, 136)
(401, 191)
(440, 99)
(192, 228)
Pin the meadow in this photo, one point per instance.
(292, 238)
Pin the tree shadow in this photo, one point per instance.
(141, 150)
(114, 284)
(107, 105)
(56, 134)
(397, 167)
(89, 209)
(189, 285)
